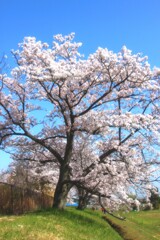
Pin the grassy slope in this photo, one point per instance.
(70, 224)
(139, 225)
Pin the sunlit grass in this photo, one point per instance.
(70, 224)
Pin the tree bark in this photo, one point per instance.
(83, 199)
(63, 185)
(62, 189)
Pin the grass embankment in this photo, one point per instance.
(143, 225)
(70, 224)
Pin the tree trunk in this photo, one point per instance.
(64, 185)
(82, 204)
(62, 189)
(83, 199)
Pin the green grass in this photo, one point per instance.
(70, 224)
(144, 225)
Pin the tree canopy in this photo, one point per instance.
(96, 119)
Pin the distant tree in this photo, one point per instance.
(154, 198)
(33, 175)
(54, 99)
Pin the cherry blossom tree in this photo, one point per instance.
(55, 99)
(27, 174)
(114, 178)
(33, 168)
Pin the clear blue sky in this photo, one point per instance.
(105, 23)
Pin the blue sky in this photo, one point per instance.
(104, 23)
